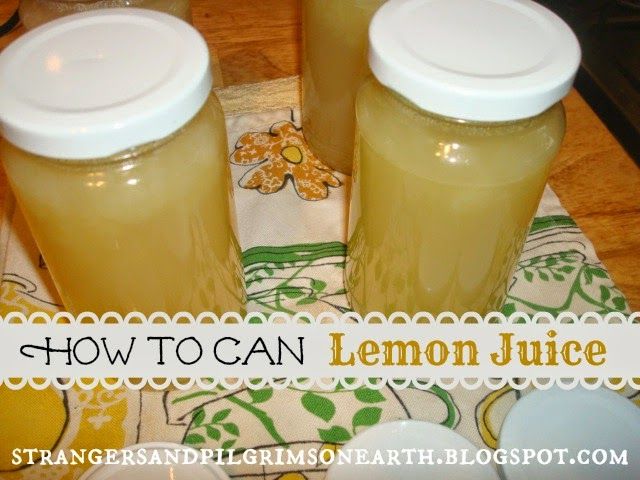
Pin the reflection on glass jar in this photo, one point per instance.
(334, 66)
(36, 12)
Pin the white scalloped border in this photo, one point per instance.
(323, 318)
(277, 318)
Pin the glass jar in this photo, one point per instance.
(126, 185)
(334, 66)
(36, 12)
(444, 192)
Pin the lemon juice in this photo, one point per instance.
(441, 208)
(147, 230)
(334, 66)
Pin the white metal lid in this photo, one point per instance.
(483, 60)
(576, 420)
(405, 435)
(94, 84)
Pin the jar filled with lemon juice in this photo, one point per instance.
(36, 12)
(456, 132)
(334, 66)
(116, 150)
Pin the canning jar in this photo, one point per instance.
(456, 133)
(334, 66)
(36, 12)
(116, 150)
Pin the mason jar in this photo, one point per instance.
(36, 12)
(334, 66)
(116, 150)
(456, 132)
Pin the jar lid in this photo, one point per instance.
(94, 84)
(482, 60)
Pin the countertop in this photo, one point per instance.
(597, 182)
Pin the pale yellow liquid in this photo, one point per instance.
(440, 209)
(36, 12)
(335, 39)
(148, 230)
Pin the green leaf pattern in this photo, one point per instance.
(556, 273)
(319, 406)
(296, 278)
(200, 432)
(309, 277)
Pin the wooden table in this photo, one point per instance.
(258, 40)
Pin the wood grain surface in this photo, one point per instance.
(258, 40)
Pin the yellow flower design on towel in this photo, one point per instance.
(29, 419)
(281, 155)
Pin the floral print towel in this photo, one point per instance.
(292, 213)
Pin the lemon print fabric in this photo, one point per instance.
(30, 419)
(19, 294)
(491, 412)
(54, 420)
(62, 421)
